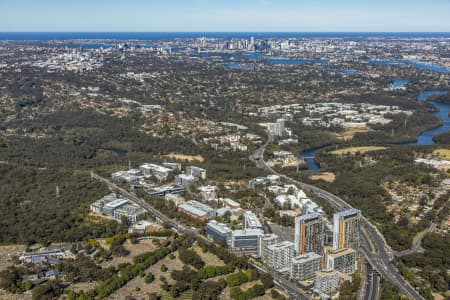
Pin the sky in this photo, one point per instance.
(225, 15)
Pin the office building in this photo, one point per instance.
(218, 232)
(117, 207)
(279, 256)
(208, 192)
(196, 172)
(309, 234)
(247, 241)
(152, 169)
(197, 210)
(346, 229)
(305, 266)
(166, 190)
(185, 180)
(130, 176)
(251, 221)
(342, 260)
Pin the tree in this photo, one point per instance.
(149, 277)
(47, 291)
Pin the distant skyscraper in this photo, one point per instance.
(346, 227)
(309, 234)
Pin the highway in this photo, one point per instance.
(372, 288)
(379, 258)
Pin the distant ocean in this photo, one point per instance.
(172, 35)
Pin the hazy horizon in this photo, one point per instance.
(225, 16)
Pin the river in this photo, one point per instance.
(425, 138)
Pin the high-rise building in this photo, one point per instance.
(346, 228)
(280, 256)
(305, 266)
(342, 260)
(309, 233)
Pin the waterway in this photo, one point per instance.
(425, 138)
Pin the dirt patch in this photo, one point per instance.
(7, 255)
(325, 176)
(8, 296)
(442, 153)
(189, 158)
(83, 286)
(353, 150)
(350, 132)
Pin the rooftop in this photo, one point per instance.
(304, 258)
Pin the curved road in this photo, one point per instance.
(380, 259)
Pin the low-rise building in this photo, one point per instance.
(166, 190)
(218, 232)
(247, 241)
(117, 208)
(197, 210)
(305, 266)
(177, 199)
(130, 176)
(157, 170)
(185, 180)
(208, 192)
(196, 172)
(230, 203)
(251, 221)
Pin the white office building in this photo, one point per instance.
(251, 221)
(247, 241)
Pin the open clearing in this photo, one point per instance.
(135, 249)
(179, 156)
(7, 254)
(325, 176)
(350, 132)
(353, 150)
(443, 153)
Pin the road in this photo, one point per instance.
(372, 288)
(280, 282)
(284, 284)
(380, 258)
(144, 204)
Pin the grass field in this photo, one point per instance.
(325, 176)
(189, 158)
(443, 153)
(350, 132)
(353, 150)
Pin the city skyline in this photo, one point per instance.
(221, 16)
